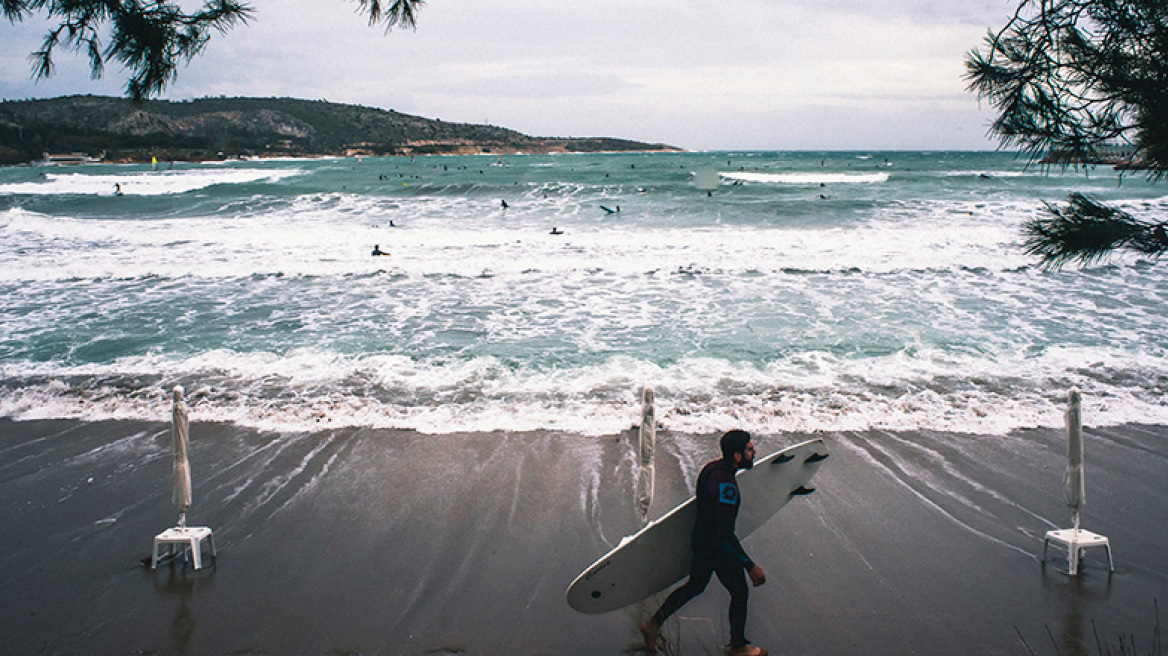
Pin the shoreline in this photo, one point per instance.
(460, 151)
(395, 542)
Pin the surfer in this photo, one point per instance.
(716, 549)
(377, 250)
(556, 231)
(504, 204)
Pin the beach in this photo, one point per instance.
(381, 541)
(417, 453)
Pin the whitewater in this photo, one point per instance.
(801, 292)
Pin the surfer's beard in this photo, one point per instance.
(747, 464)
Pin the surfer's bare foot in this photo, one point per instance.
(649, 630)
(748, 650)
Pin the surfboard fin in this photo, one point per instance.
(786, 457)
(816, 457)
(802, 491)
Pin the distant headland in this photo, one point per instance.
(88, 128)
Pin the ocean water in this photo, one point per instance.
(899, 299)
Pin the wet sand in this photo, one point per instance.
(393, 542)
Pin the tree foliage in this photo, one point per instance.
(152, 38)
(1070, 79)
(1087, 231)
(1070, 76)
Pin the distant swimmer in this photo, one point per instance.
(556, 231)
(505, 205)
(117, 189)
(377, 250)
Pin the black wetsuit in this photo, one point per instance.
(716, 549)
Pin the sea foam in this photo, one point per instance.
(805, 178)
(905, 300)
(140, 183)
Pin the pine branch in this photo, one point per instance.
(403, 13)
(153, 41)
(153, 38)
(1087, 231)
(15, 10)
(1074, 75)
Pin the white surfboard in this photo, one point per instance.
(659, 555)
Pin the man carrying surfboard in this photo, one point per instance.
(716, 549)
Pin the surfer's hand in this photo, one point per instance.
(757, 576)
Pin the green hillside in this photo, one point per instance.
(215, 128)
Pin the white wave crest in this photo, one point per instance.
(307, 390)
(805, 178)
(141, 183)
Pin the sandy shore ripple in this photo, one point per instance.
(389, 542)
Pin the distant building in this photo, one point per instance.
(70, 159)
(1119, 155)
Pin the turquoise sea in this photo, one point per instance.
(901, 298)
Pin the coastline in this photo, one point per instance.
(207, 128)
(385, 542)
(553, 147)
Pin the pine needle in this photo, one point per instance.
(1087, 231)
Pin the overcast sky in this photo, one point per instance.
(732, 74)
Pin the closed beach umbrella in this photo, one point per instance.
(180, 438)
(1075, 488)
(647, 443)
